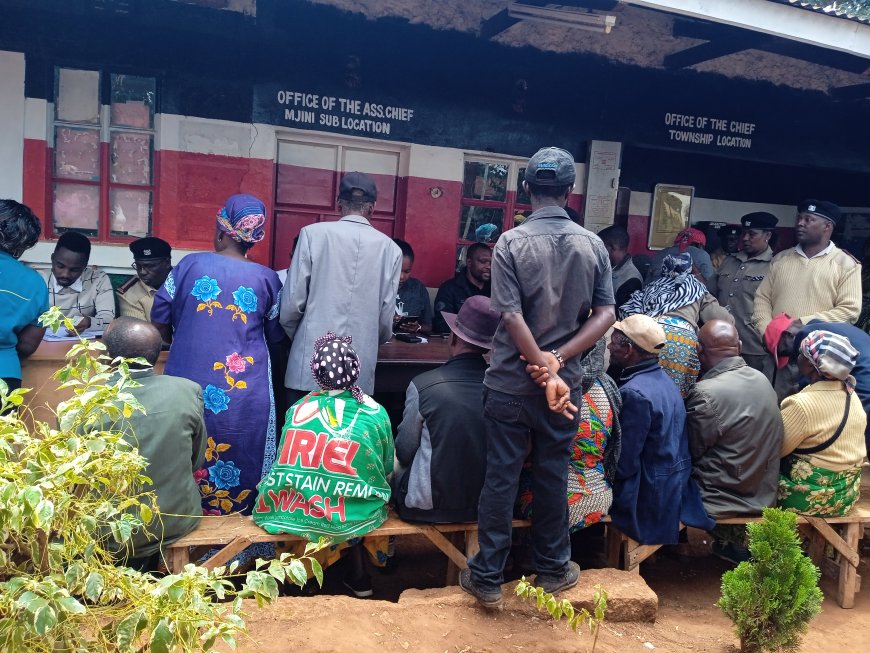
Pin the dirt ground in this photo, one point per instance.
(447, 620)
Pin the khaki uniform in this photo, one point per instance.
(734, 285)
(135, 299)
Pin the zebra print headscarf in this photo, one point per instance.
(677, 287)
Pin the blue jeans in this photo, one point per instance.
(516, 424)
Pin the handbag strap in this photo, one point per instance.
(827, 443)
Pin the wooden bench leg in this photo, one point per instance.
(456, 539)
(848, 572)
(615, 542)
(446, 547)
(472, 545)
(176, 558)
(227, 553)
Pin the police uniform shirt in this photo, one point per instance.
(135, 299)
(734, 285)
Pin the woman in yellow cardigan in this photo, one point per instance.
(823, 444)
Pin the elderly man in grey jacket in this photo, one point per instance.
(343, 278)
(735, 428)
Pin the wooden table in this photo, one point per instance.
(398, 363)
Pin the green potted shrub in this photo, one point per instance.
(772, 598)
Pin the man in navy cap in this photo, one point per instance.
(816, 280)
(738, 279)
(551, 281)
(152, 260)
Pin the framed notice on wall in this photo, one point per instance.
(671, 210)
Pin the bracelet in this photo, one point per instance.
(559, 357)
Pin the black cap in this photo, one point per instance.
(357, 181)
(728, 230)
(826, 210)
(759, 220)
(150, 248)
(551, 166)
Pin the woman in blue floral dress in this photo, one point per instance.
(220, 311)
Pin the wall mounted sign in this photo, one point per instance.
(708, 130)
(671, 212)
(316, 111)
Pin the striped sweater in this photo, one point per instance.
(826, 288)
(812, 415)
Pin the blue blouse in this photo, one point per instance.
(23, 298)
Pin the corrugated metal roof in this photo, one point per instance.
(831, 8)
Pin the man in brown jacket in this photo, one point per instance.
(735, 428)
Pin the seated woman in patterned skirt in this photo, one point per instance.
(595, 451)
(823, 442)
(680, 303)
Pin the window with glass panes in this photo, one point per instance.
(103, 167)
(493, 200)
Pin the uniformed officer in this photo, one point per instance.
(152, 260)
(738, 278)
(729, 243)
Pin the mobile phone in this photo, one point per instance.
(408, 337)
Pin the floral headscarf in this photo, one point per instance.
(242, 219)
(677, 287)
(832, 355)
(690, 236)
(335, 365)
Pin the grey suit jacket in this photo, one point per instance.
(343, 278)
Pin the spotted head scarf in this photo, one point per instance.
(690, 236)
(242, 219)
(832, 355)
(335, 365)
(677, 287)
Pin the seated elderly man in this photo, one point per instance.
(735, 429)
(440, 447)
(82, 293)
(653, 490)
(170, 435)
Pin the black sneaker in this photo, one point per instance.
(360, 587)
(491, 600)
(558, 582)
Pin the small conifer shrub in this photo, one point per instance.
(772, 598)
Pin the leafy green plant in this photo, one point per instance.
(564, 608)
(72, 494)
(772, 598)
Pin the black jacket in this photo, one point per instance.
(452, 295)
(441, 442)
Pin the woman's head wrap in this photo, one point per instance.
(677, 266)
(832, 355)
(677, 287)
(242, 219)
(335, 365)
(690, 236)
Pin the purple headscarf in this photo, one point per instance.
(335, 365)
(242, 219)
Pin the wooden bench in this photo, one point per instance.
(626, 553)
(236, 532)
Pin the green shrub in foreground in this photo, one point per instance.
(772, 598)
